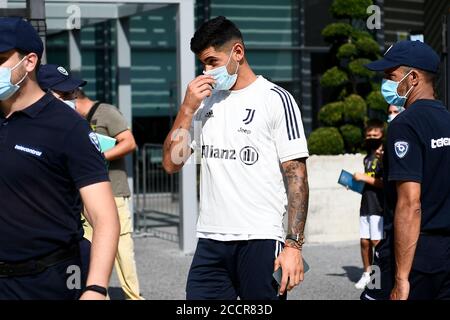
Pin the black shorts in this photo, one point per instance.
(430, 273)
(226, 270)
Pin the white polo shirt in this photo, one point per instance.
(245, 136)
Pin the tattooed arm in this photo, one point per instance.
(298, 196)
(290, 259)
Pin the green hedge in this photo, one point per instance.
(368, 47)
(342, 94)
(325, 141)
(334, 77)
(359, 34)
(352, 137)
(347, 50)
(355, 109)
(331, 114)
(343, 118)
(337, 31)
(357, 68)
(375, 101)
(343, 9)
(376, 86)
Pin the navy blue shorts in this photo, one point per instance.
(64, 281)
(430, 274)
(226, 270)
(51, 284)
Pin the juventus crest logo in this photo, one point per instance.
(250, 115)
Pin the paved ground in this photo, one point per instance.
(163, 268)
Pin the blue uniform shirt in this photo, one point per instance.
(418, 150)
(47, 153)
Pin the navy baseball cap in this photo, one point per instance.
(414, 54)
(54, 77)
(19, 34)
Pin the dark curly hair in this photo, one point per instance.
(214, 33)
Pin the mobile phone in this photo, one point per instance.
(277, 275)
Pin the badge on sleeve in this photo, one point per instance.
(94, 140)
(401, 148)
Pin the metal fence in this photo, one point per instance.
(156, 195)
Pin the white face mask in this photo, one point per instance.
(71, 103)
(393, 115)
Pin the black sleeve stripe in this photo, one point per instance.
(291, 106)
(289, 111)
(285, 113)
(293, 132)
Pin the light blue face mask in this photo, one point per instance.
(71, 103)
(390, 94)
(7, 89)
(224, 80)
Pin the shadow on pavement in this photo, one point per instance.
(351, 272)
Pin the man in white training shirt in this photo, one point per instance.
(251, 138)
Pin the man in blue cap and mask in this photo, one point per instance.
(414, 258)
(49, 162)
(59, 81)
(105, 120)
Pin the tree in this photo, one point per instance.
(353, 92)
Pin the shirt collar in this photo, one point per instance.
(427, 102)
(33, 110)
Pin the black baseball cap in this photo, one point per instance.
(55, 77)
(19, 34)
(414, 54)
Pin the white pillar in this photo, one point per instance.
(188, 176)
(123, 81)
(75, 52)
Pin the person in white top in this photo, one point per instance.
(249, 135)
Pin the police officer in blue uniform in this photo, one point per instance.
(414, 258)
(60, 82)
(49, 163)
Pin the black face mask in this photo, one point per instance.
(372, 144)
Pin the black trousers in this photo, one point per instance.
(430, 274)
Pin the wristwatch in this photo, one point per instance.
(297, 238)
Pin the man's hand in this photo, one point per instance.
(92, 295)
(358, 176)
(125, 145)
(197, 90)
(177, 149)
(291, 262)
(401, 290)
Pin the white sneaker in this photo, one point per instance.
(365, 279)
